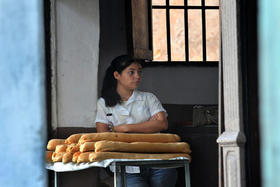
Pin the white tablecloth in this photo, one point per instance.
(61, 167)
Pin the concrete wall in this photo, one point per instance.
(77, 32)
(182, 85)
(22, 94)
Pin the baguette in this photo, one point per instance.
(130, 137)
(87, 146)
(67, 157)
(49, 156)
(75, 156)
(74, 138)
(100, 156)
(72, 148)
(83, 157)
(142, 147)
(60, 148)
(53, 143)
(57, 157)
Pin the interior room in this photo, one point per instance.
(212, 64)
(89, 34)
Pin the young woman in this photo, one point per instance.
(122, 108)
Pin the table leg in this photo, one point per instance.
(123, 175)
(117, 176)
(187, 175)
(55, 179)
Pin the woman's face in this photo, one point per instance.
(130, 77)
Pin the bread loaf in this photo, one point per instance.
(49, 156)
(67, 157)
(84, 157)
(74, 138)
(100, 156)
(87, 146)
(53, 143)
(60, 148)
(75, 156)
(129, 137)
(72, 148)
(141, 147)
(57, 157)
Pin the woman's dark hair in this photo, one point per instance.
(109, 88)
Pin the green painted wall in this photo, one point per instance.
(269, 73)
(22, 94)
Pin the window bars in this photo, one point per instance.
(189, 7)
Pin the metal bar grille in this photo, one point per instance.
(186, 32)
(186, 7)
(181, 63)
(203, 31)
(168, 31)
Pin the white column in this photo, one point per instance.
(232, 140)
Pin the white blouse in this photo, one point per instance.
(140, 107)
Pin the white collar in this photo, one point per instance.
(136, 96)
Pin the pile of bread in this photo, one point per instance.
(95, 147)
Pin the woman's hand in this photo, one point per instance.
(121, 128)
(102, 127)
(156, 123)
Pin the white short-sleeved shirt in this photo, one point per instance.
(140, 107)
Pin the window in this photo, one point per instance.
(175, 31)
(185, 31)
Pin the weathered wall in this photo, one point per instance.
(22, 94)
(77, 32)
(269, 76)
